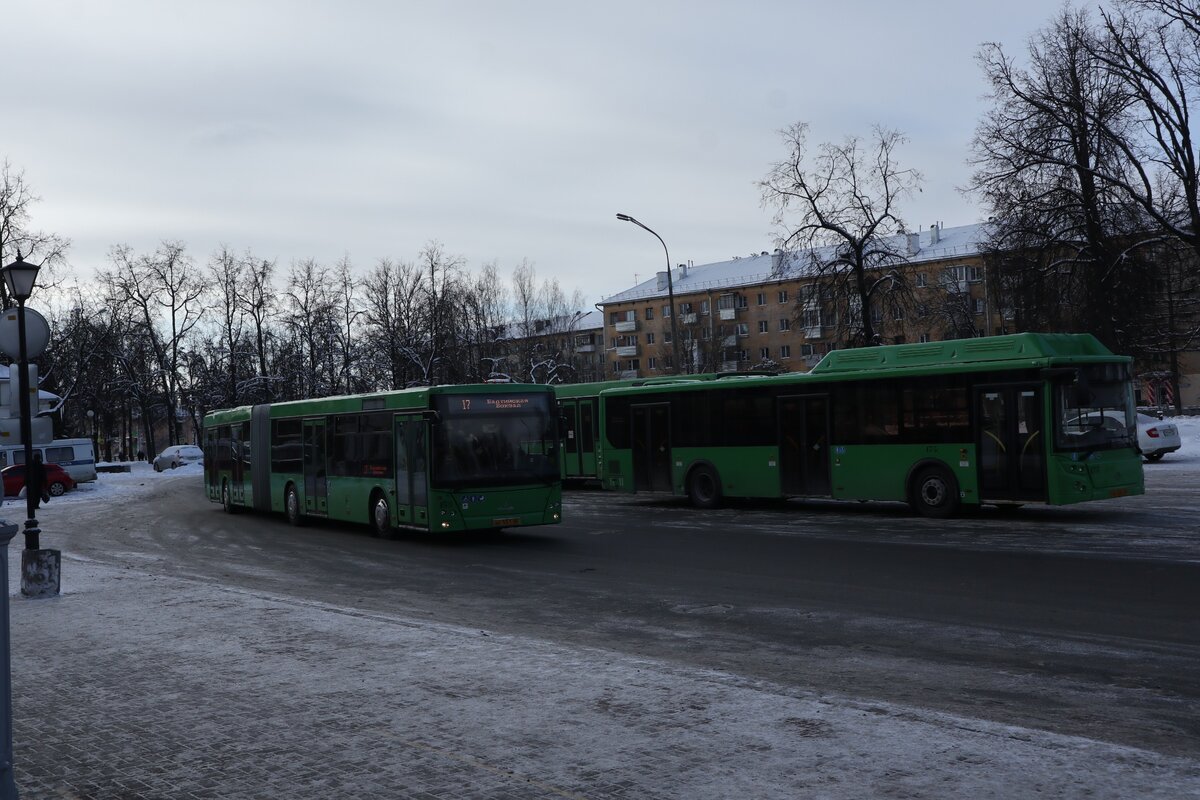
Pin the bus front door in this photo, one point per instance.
(652, 448)
(316, 476)
(571, 465)
(804, 445)
(1010, 443)
(412, 471)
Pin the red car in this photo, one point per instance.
(57, 480)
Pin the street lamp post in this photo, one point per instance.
(39, 568)
(670, 293)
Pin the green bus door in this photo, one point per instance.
(1010, 442)
(579, 446)
(652, 448)
(239, 450)
(804, 445)
(412, 471)
(316, 483)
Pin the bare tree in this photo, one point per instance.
(1055, 158)
(257, 297)
(311, 325)
(17, 236)
(1153, 48)
(838, 211)
(166, 296)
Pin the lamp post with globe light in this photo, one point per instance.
(39, 568)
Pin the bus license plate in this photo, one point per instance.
(505, 522)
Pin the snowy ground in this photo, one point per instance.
(122, 645)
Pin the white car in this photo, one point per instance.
(1156, 438)
(178, 455)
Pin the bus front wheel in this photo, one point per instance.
(291, 507)
(381, 516)
(704, 487)
(935, 493)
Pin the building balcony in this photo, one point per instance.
(585, 348)
(729, 366)
(728, 313)
(688, 319)
(628, 373)
(627, 326)
(811, 332)
(628, 351)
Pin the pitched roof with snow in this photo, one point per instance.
(754, 270)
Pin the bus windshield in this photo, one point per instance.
(1096, 412)
(494, 440)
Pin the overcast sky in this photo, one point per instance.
(503, 130)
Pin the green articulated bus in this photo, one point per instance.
(1001, 420)
(443, 458)
(578, 403)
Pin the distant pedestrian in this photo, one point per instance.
(35, 482)
(141, 455)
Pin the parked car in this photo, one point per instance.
(177, 455)
(1156, 438)
(57, 480)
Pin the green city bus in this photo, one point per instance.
(578, 403)
(443, 458)
(1001, 420)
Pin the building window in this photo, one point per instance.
(703, 306)
(924, 337)
(783, 296)
(763, 326)
(897, 313)
(742, 302)
(785, 351)
(649, 314)
(652, 363)
(743, 329)
(785, 324)
(921, 280)
(764, 353)
(649, 338)
(762, 298)
(978, 303)
(685, 308)
(666, 312)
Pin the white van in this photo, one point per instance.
(76, 456)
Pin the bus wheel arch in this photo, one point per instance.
(291, 506)
(379, 513)
(703, 485)
(933, 490)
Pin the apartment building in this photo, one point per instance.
(773, 310)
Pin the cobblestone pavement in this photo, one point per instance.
(134, 686)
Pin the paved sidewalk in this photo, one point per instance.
(132, 686)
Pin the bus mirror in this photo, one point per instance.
(432, 417)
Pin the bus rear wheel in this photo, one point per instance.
(381, 516)
(935, 493)
(291, 507)
(704, 487)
